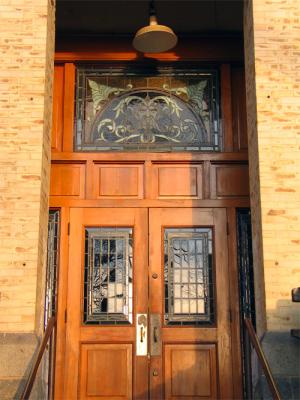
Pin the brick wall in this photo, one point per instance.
(272, 56)
(26, 49)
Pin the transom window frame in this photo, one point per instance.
(130, 70)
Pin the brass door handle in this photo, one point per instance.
(143, 334)
(155, 334)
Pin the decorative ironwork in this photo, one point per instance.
(52, 266)
(50, 314)
(247, 301)
(245, 258)
(188, 276)
(108, 276)
(125, 110)
(148, 118)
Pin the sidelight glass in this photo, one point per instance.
(52, 265)
(108, 276)
(188, 276)
(158, 109)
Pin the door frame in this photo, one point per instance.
(227, 55)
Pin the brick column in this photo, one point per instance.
(26, 68)
(272, 58)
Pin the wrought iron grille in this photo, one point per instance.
(246, 264)
(247, 300)
(189, 292)
(52, 265)
(167, 109)
(108, 276)
(47, 367)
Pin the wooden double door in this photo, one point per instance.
(148, 304)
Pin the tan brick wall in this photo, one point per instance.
(26, 48)
(272, 56)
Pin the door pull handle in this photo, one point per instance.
(155, 334)
(143, 334)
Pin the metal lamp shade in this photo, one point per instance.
(154, 38)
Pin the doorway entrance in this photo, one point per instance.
(148, 184)
(148, 304)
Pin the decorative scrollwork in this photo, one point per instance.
(151, 109)
(146, 117)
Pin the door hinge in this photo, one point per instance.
(66, 316)
(69, 228)
(227, 228)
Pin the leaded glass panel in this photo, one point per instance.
(161, 110)
(52, 266)
(108, 276)
(188, 276)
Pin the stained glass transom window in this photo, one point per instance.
(108, 276)
(121, 109)
(188, 276)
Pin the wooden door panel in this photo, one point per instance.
(57, 114)
(190, 371)
(190, 334)
(68, 180)
(118, 181)
(229, 181)
(177, 181)
(93, 349)
(191, 348)
(106, 371)
(115, 335)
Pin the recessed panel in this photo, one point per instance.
(239, 108)
(57, 113)
(178, 181)
(67, 180)
(229, 181)
(190, 372)
(115, 181)
(106, 371)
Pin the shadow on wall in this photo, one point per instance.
(283, 353)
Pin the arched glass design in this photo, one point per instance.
(117, 110)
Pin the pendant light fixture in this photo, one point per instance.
(154, 38)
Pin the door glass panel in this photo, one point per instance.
(108, 276)
(188, 276)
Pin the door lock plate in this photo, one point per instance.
(141, 334)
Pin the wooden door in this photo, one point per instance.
(107, 289)
(190, 342)
(182, 299)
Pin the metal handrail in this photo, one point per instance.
(263, 361)
(31, 378)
